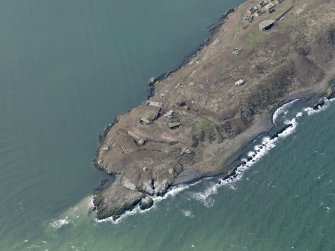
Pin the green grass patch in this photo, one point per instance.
(205, 125)
(254, 38)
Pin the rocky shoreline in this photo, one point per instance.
(213, 30)
(198, 119)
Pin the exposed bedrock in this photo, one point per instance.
(114, 199)
(146, 203)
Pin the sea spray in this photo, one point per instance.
(70, 216)
(58, 224)
(282, 110)
(253, 157)
(188, 213)
(261, 150)
(325, 104)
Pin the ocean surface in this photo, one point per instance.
(67, 68)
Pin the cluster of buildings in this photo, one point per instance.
(261, 8)
(148, 116)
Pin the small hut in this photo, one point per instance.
(136, 138)
(239, 82)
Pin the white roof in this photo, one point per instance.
(239, 82)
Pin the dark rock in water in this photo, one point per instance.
(151, 81)
(319, 104)
(146, 203)
(276, 135)
(115, 200)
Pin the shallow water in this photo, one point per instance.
(67, 69)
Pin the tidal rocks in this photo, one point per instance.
(146, 203)
(115, 199)
(319, 104)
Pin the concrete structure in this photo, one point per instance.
(145, 121)
(261, 8)
(248, 18)
(262, 3)
(266, 25)
(252, 10)
(281, 16)
(239, 82)
(259, 12)
(155, 104)
(270, 6)
(169, 113)
(105, 149)
(138, 139)
(149, 114)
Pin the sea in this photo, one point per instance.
(68, 67)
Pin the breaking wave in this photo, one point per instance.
(259, 151)
(188, 213)
(320, 108)
(170, 193)
(253, 156)
(72, 214)
(283, 110)
(57, 224)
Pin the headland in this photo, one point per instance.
(199, 117)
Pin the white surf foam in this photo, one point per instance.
(188, 213)
(57, 224)
(205, 197)
(310, 111)
(170, 193)
(253, 157)
(282, 110)
(260, 150)
(72, 214)
(299, 114)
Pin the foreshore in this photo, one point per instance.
(196, 122)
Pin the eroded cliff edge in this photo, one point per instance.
(202, 115)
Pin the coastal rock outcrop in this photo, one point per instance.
(114, 199)
(146, 203)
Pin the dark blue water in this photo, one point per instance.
(68, 68)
